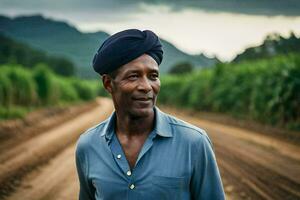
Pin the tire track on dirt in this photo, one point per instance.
(14, 132)
(263, 181)
(46, 182)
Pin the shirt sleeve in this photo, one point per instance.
(86, 191)
(206, 182)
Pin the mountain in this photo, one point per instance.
(172, 55)
(273, 45)
(12, 52)
(55, 38)
(63, 39)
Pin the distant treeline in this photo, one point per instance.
(23, 88)
(273, 45)
(13, 52)
(266, 90)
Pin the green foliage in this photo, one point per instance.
(61, 66)
(181, 68)
(101, 90)
(5, 90)
(200, 93)
(13, 112)
(47, 87)
(22, 87)
(98, 88)
(86, 90)
(67, 92)
(264, 90)
(168, 91)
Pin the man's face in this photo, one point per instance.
(135, 87)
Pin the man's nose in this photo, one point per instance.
(144, 85)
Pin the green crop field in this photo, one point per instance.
(266, 90)
(23, 89)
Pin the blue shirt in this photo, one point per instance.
(176, 162)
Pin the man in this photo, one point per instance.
(141, 152)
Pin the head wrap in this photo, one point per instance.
(125, 46)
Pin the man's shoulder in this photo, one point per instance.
(91, 134)
(185, 129)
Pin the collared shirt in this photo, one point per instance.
(176, 162)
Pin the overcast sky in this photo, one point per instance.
(194, 29)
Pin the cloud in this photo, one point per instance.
(252, 7)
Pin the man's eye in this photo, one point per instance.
(133, 76)
(154, 76)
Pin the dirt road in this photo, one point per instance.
(43, 165)
(252, 166)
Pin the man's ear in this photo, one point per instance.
(107, 82)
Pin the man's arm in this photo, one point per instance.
(86, 189)
(206, 182)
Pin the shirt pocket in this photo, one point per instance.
(169, 187)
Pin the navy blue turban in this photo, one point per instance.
(124, 47)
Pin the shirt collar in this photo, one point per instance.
(109, 127)
(161, 126)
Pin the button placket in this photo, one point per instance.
(118, 155)
(131, 179)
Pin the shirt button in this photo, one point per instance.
(132, 186)
(119, 156)
(128, 173)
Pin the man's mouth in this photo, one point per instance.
(142, 98)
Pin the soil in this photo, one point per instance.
(41, 166)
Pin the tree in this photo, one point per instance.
(181, 68)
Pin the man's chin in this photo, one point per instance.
(142, 112)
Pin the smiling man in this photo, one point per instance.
(139, 152)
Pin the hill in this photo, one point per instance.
(12, 52)
(63, 39)
(172, 55)
(273, 45)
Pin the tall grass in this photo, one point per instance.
(21, 88)
(265, 90)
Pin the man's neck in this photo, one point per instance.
(134, 126)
